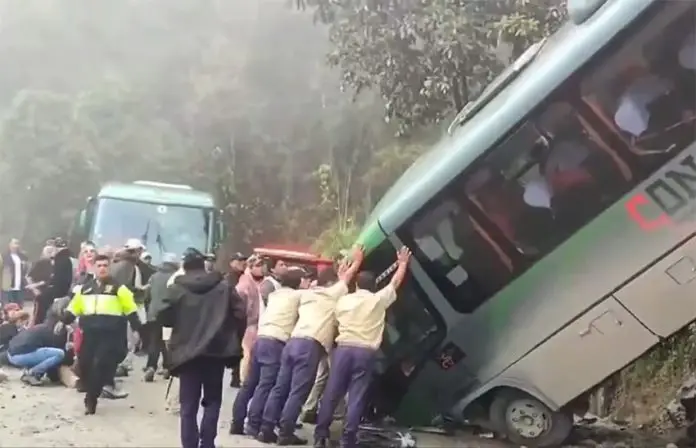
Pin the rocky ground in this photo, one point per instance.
(52, 416)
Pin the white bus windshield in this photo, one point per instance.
(161, 228)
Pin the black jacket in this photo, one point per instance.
(62, 278)
(207, 319)
(8, 331)
(123, 270)
(156, 294)
(36, 337)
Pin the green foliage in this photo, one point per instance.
(336, 238)
(241, 103)
(100, 92)
(428, 58)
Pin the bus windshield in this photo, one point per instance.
(161, 228)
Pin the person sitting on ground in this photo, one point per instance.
(38, 350)
(14, 320)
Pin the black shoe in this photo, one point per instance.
(321, 442)
(291, 440)
(251, 432)
(298, 425)
(149, 375)
(90, 406)
(309, 417)
(267, 437)
(236, 430)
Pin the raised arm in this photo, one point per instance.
(347, 272)
(403, 256)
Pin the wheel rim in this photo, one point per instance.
(528, 418)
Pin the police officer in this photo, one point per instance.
(360, 317)
(100, 303)
(312, 337)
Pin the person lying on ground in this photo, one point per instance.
(38, 350)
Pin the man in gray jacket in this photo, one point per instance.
(154, 301)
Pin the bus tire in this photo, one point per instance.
(526, 421)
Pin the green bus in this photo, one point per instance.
(552, 230)
(165, 217)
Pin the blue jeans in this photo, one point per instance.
(12, 296)
(40, 361)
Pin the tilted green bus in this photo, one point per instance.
(165, 217)
(553, 230)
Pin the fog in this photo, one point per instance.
(232, 96)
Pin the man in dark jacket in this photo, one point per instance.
(237, 266)
(129, 270)
(207, 320)
(62, 278)
(155, 299)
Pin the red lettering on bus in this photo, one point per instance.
(632, 206)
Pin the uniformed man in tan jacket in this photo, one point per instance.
(312, 337)
(275, 326)
(361, 320)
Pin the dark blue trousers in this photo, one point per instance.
(200, 376)
(263, 371)
(351, 372)
(298, 369)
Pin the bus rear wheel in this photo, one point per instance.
(526, 421)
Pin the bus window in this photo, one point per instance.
(410, 320)
(412, 329)
(456, 254)
(541, 174)
(645, 91)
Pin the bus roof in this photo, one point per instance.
(561, 55)
(157, 194)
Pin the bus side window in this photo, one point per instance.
(550, 177)
(645, 92)
(461, 260)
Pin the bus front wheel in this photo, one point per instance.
(526, 421)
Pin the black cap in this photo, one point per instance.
(191, 254)
(238, 256)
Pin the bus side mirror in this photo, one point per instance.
(221, 231)
(86, 215)
(82, 220)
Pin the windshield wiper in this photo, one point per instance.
(497, 85)
(146, 233)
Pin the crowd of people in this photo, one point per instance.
(301, 344)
